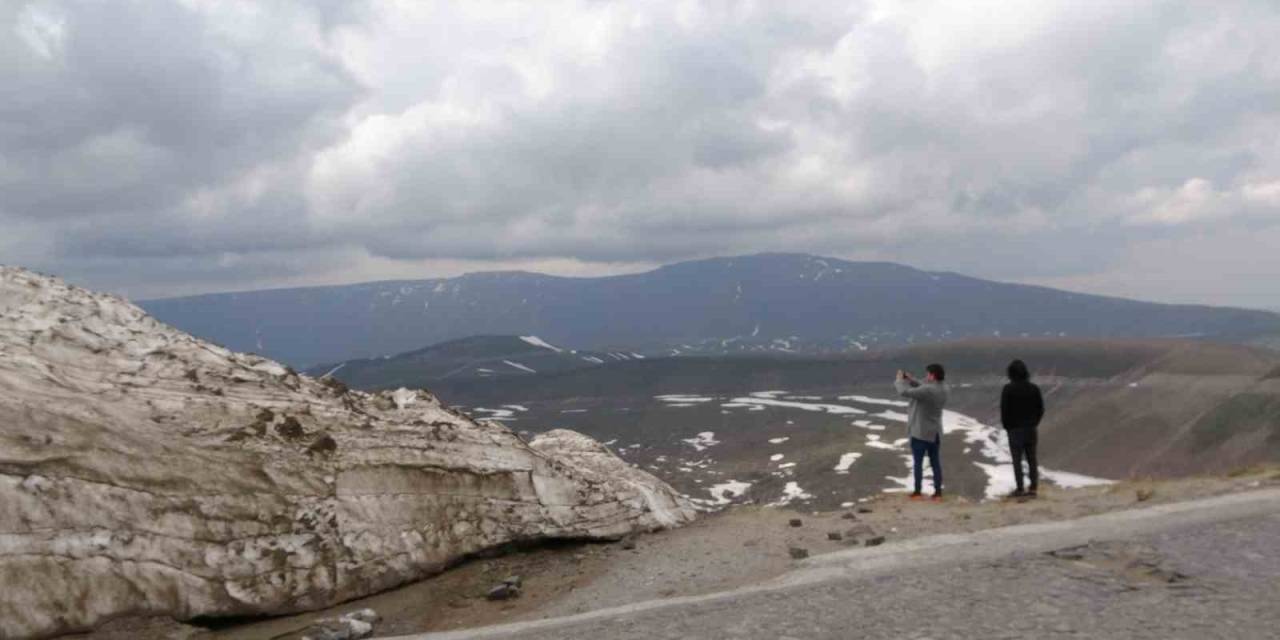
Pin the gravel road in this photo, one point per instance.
(1203, 571)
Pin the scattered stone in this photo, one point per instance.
(849, 516)
(628, 543)
(503, 591)
(1144, 495)
(513, 581)
(875, 542)
(795, 522)
(266, 415)
(864, 509)
(834, 535)
(290, 428)
(349, 626)
(798, 553)
(324, 445)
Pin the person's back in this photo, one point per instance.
(1021, 405)
(924, 415)
(1021, 409)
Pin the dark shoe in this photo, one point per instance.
(1031, 493)
(937, 496)
(917, 496)
(1017, 493)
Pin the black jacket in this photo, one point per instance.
(1021, 406)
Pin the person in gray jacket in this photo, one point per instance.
(924, 423)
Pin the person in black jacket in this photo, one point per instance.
(1021, 408)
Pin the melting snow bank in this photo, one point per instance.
(151, 472)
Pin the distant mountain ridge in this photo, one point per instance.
(748, 304)
(473, 358)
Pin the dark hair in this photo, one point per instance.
(1018, 371)
(938, 372)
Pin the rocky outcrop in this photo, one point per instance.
(146, 472)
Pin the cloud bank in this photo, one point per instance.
(173, 147)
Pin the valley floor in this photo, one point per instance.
(739, 546)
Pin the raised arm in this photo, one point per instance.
(908, 388)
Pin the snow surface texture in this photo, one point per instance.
(146, 472)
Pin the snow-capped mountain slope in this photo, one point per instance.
(770, 302)
(147, 472)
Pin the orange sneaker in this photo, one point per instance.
(917, 496)
(937, 497)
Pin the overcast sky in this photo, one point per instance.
(162, 148)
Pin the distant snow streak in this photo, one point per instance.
(539, 342)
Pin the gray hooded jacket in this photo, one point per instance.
(924, 419)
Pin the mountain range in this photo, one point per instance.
(780, 303)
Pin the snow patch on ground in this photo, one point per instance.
(682, 400)
(732, 489)
(778, 440)
(889, 414)
(836, 409)
(792, 491)
(703, 441)
(990, 442)
(497, 414)
(776, 457)
(846, 461)
(870, 400)
(519, 366)
(539, 342)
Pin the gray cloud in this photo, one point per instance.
(249, 144)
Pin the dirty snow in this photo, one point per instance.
(778, 440)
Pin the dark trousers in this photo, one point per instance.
(1022, 442)
(921, 448)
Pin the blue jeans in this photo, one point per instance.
(919, 448)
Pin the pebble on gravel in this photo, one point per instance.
(849, 516)
(795, 522)
(834, 535)
(798, 553)
(1144, 495)
(628, 543)
(864, 509)
(875, 542)
(503, 591)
